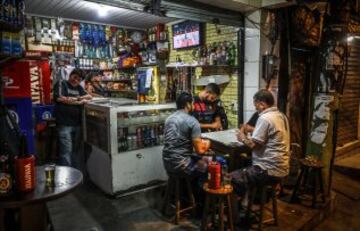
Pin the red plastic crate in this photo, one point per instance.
(17, 80)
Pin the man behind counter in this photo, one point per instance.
(206, 110)
(69, 97)
(182, 134)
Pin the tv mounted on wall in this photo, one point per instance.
(186, 34)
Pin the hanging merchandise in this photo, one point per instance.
(75, 31)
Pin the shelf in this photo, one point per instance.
(83, 69)
(5, 26)
(197, 65)
(117, 80)
(121, 91)
(4, 58)
(160, 41)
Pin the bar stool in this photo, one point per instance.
(173, 189)
(263, 190)
(216, 200)
(310, 166)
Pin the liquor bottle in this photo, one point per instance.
(25, 168)
(6, 170)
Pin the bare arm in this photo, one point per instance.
(215, 125)
(248, 142)
(246, 128)
(70, 100)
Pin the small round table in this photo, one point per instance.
(215, 202)
(28, 210)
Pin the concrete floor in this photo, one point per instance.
(89, 209)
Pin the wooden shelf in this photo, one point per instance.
(5, 26)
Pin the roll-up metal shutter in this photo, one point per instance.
(349, 111)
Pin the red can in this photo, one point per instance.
(214, 171)
(25, 173)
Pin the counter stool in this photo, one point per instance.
(263, 190)
(314, 168)
(216, 201)
(173, 191)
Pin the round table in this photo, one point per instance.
(30, 208)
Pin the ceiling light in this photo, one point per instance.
(102, 11)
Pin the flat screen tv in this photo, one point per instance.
(186, 34)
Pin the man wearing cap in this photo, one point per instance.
(69, 97)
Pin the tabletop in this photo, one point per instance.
(226, 137)
(225, 142)
(66, 180)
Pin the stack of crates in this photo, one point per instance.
(27, 86)
(17, 93)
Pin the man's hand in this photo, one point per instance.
(217, 125)
(240, 135)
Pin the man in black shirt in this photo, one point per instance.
(250, 125)
(206, 109)
(69, 97)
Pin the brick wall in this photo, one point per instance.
(229, 92)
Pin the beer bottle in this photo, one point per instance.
(6, 170)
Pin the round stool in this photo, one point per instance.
(263, 191)
(216, 201)
(173, 189)
(312, 167)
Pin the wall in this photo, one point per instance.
(229, 91)
(252, 64)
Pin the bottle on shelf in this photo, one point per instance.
(25, 168)
(6, 170)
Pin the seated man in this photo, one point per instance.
(270, 144)
(182, 134)
(206, 110)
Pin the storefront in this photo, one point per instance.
(137, 57)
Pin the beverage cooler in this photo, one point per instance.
(126, 144)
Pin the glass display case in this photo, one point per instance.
(126, 143)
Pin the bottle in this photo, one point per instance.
(6, 170)
(224, 175)
(25, 168)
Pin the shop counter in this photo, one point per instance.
(125, 144)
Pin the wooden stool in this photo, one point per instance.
(217, 199)
(173, 189)
(313, 167)
(263, 189)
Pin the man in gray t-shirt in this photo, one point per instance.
(270, 144)
(182, 134)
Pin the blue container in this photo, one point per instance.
(29, 133)
(21, 110)
(42, 112)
